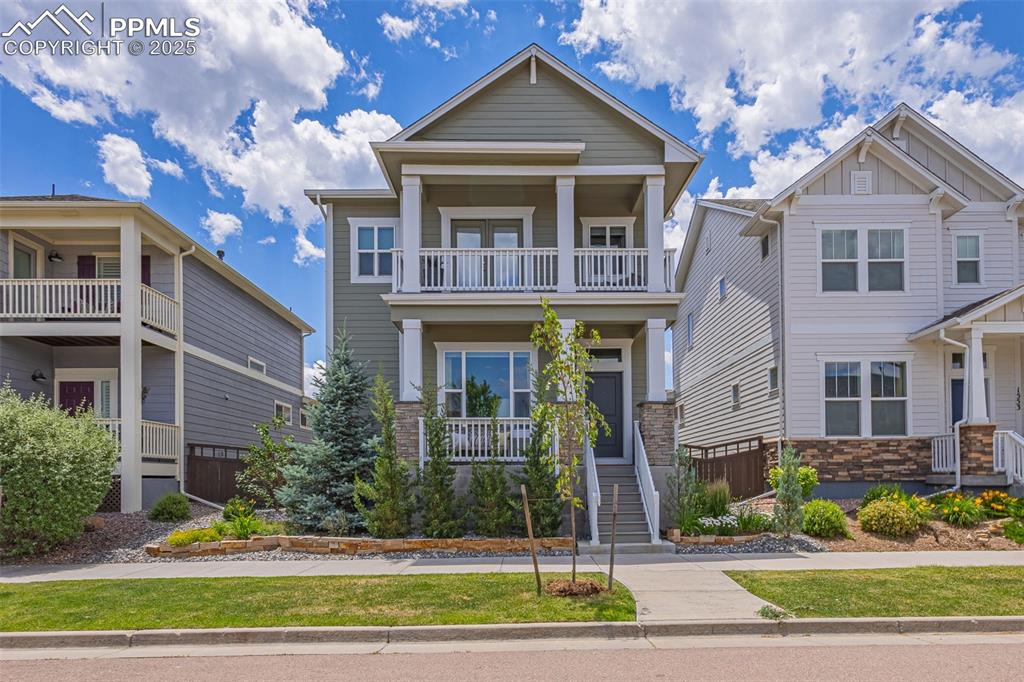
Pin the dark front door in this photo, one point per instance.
(606, 392)
(75, 394)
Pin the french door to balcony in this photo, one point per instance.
(490, 262)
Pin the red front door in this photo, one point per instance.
(75, 394)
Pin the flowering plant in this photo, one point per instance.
(717, 525)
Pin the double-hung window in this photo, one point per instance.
(968, 258)
(888, 398)
(842, 398)
(879, 410)
(372, 241)
(486, 383)
(283, 411)
(839, 260)
(885, 260)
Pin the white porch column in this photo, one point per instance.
(656, 360)
(654, 219)
(412, 214)
(977, 410)
(565, 188)
(567, 326)
(412, 359)
(130, 375)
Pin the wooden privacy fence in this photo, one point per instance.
(740, 462)
(210, 471)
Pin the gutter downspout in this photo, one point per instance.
(179, 367)
(956, 427)
(782, 336)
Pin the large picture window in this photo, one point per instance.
(880, 409)
(480, 383)
(839, 260)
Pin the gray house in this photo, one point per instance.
(106, 303)
(530, 183)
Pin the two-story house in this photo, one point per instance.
(871, 313)
(106, 304)
(530, 183)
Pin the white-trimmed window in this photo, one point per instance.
(842, 398)
(257, 365)
(371, 242)
(880, 410)
(680, 416)
(689, 330)
(839, 260)
(304, 418)
(885, 260)
(722, 289)
(968, 258)
(479, 382)
(773, 379)
(888, 398)
(766, 246)
(734, 394)
(283, 411)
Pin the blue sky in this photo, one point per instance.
(283, 95)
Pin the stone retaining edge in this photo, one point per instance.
(315, 544)
(442, 633)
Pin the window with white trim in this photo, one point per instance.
(371, 242)
(968, 258)
(689, 330)
(734, 393)
(766, 246)
(283, 411)
(882, 410)
(888, 398)
(680, 416)
(842, 398)
(773, 379)
(839, 260)
(257, 365)
(885, 260)
(721, 289)
(304, 418)
(482, 383)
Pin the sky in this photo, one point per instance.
(282, 95)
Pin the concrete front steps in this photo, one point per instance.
(632, 534)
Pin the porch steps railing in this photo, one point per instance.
(1008, 455)
(648, 492)
(944, 453)
(593, 492)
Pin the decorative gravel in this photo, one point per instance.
(281, 555)
(767, 544)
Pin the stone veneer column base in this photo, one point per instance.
(867, 459)
(657, 422)
(977, 449)
(407, 429)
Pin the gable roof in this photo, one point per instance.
(888, 152)
(746, 208)
(971, 311)
(904, 112)
(682, 151)
(749, 205)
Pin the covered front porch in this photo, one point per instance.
(982, 378)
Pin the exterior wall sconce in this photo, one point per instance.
(55, 257)
(38, 376)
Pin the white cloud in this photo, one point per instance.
(124, 166)
(219, 226)
(397, 29)
(427, 16)
(758, 69)
(540, 20)
(309, 373)
(247, 129)
(994, 131)
(268, 240)
(492, 16)
(166, 166)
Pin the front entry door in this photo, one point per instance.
(605, 391)
(76, 394)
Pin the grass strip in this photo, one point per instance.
(155, 603)
(891, 592)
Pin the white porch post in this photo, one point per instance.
(656, 360)
(130, 395)
(977, 410)
(565, 188)
(654, 220)
(412, 212)
(567, 326)
(412, 359)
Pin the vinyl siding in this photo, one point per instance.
(222, 319)
(735, 340)
(553, 109)
(884, 178)
(19, 358)
(999, 259)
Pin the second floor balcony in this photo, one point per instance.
(530, 270)
(30, 300)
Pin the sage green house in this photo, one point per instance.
(530, 183)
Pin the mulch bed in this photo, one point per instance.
(583, 587)
(936, 536)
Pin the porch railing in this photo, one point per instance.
(1008, 455)
(159, 310)
(593, 492)
(648, 492)
(944, 455)
(60, 298)
(160, 445)
(471, 438)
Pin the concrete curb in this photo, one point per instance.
(526, 631)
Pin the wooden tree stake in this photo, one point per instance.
(611, 550)
(529, 533)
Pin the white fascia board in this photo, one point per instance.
(382, 193)
(472, 147)
(727, 209)
(68, 328)
(690, 244)
(526, 299)
(530, 171)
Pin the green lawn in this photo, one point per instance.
(926, 591)
(314, 600)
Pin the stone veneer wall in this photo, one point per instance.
(657, 428)
(977, 450)
(407, 429)
(889, 459)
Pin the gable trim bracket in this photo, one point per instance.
(933, 200)
(1013, 204)
(862, 154)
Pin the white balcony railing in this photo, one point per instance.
(944, 453)
(470, 438)
(528, 269)
(160, 445)
(159, 310)
(60, 298)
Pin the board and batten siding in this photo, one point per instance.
(735, 340)
(221, 318)
(358, 306)
(857, 324)
(884, 178)
(552, 109)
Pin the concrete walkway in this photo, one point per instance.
(667, 587)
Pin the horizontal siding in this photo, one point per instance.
(222, 319)
(19, 358)
(158, 382)
(552, 109)
(999, 259)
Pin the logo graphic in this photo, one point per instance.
(27, 28)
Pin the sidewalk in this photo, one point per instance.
(667, 587)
